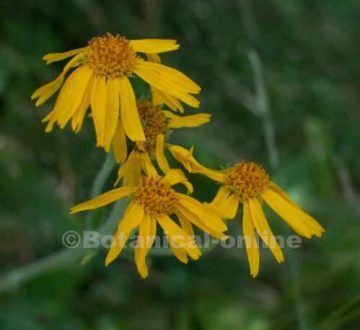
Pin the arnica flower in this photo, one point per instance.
(155, 122)
(152, 203)
(139, 163)
(249, 184)
(101, 81)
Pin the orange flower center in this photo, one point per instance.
(246, 180)
(156, 196)
(110, 56)
(154, 123)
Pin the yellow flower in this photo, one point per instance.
(101, 80)
(155, 122)
(249, 184)
(139, 163)
(152, 203)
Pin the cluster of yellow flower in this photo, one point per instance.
(102, 81)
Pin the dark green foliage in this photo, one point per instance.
(310, 52)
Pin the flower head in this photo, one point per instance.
(156, 123)
(101, 81)
(249, 184)
(155, 202)
(139, 163)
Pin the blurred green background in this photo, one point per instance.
(281, 79)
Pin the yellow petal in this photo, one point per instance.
(98, 108)
(72, 94)
(129, 113)
(132, 175)
(45, 92)
(55, 57)
(170, 87)
(112, 111)
(131, 171)
(263, 229)
(79, 115)
(187, 218)
(133, 216)
(297, 219)
(186, 158)
(178, 252)
(119, 143)
(221, 196)
(50, 120)
(204, 213)
(165, 167)
(225, 204)
(172, 102)
(176, 176)
(159, 98)
(251, 243)
(154, 45)
(146, 238)
(179, 237)
(186, 121)
(185, 224)
(69, 97)
(103, 199)
(147, 165)
(181, 81)
(160, 157)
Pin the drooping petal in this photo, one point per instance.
(147, 165)
(133, 216)
(187, 218)
(50, 119)
(154, 45)
(129, 113)
(119, 143)
(185, 224)
(181, 81)
(251, 243)
(170, 87)
(146, 238)
(160, 157)
(186, 158)
(159, 98)
(56, 57)
(72, 94)
(79, 115)
(178, 252)
(263, 229)
(164, 165)
(298, 220)
(179, 237)
(98, 108)
(112, 111)
(132, 173)
(186, 121)
(44, 92)
(176, 176)
(225, 204)
(103, 199)
(204, 213)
